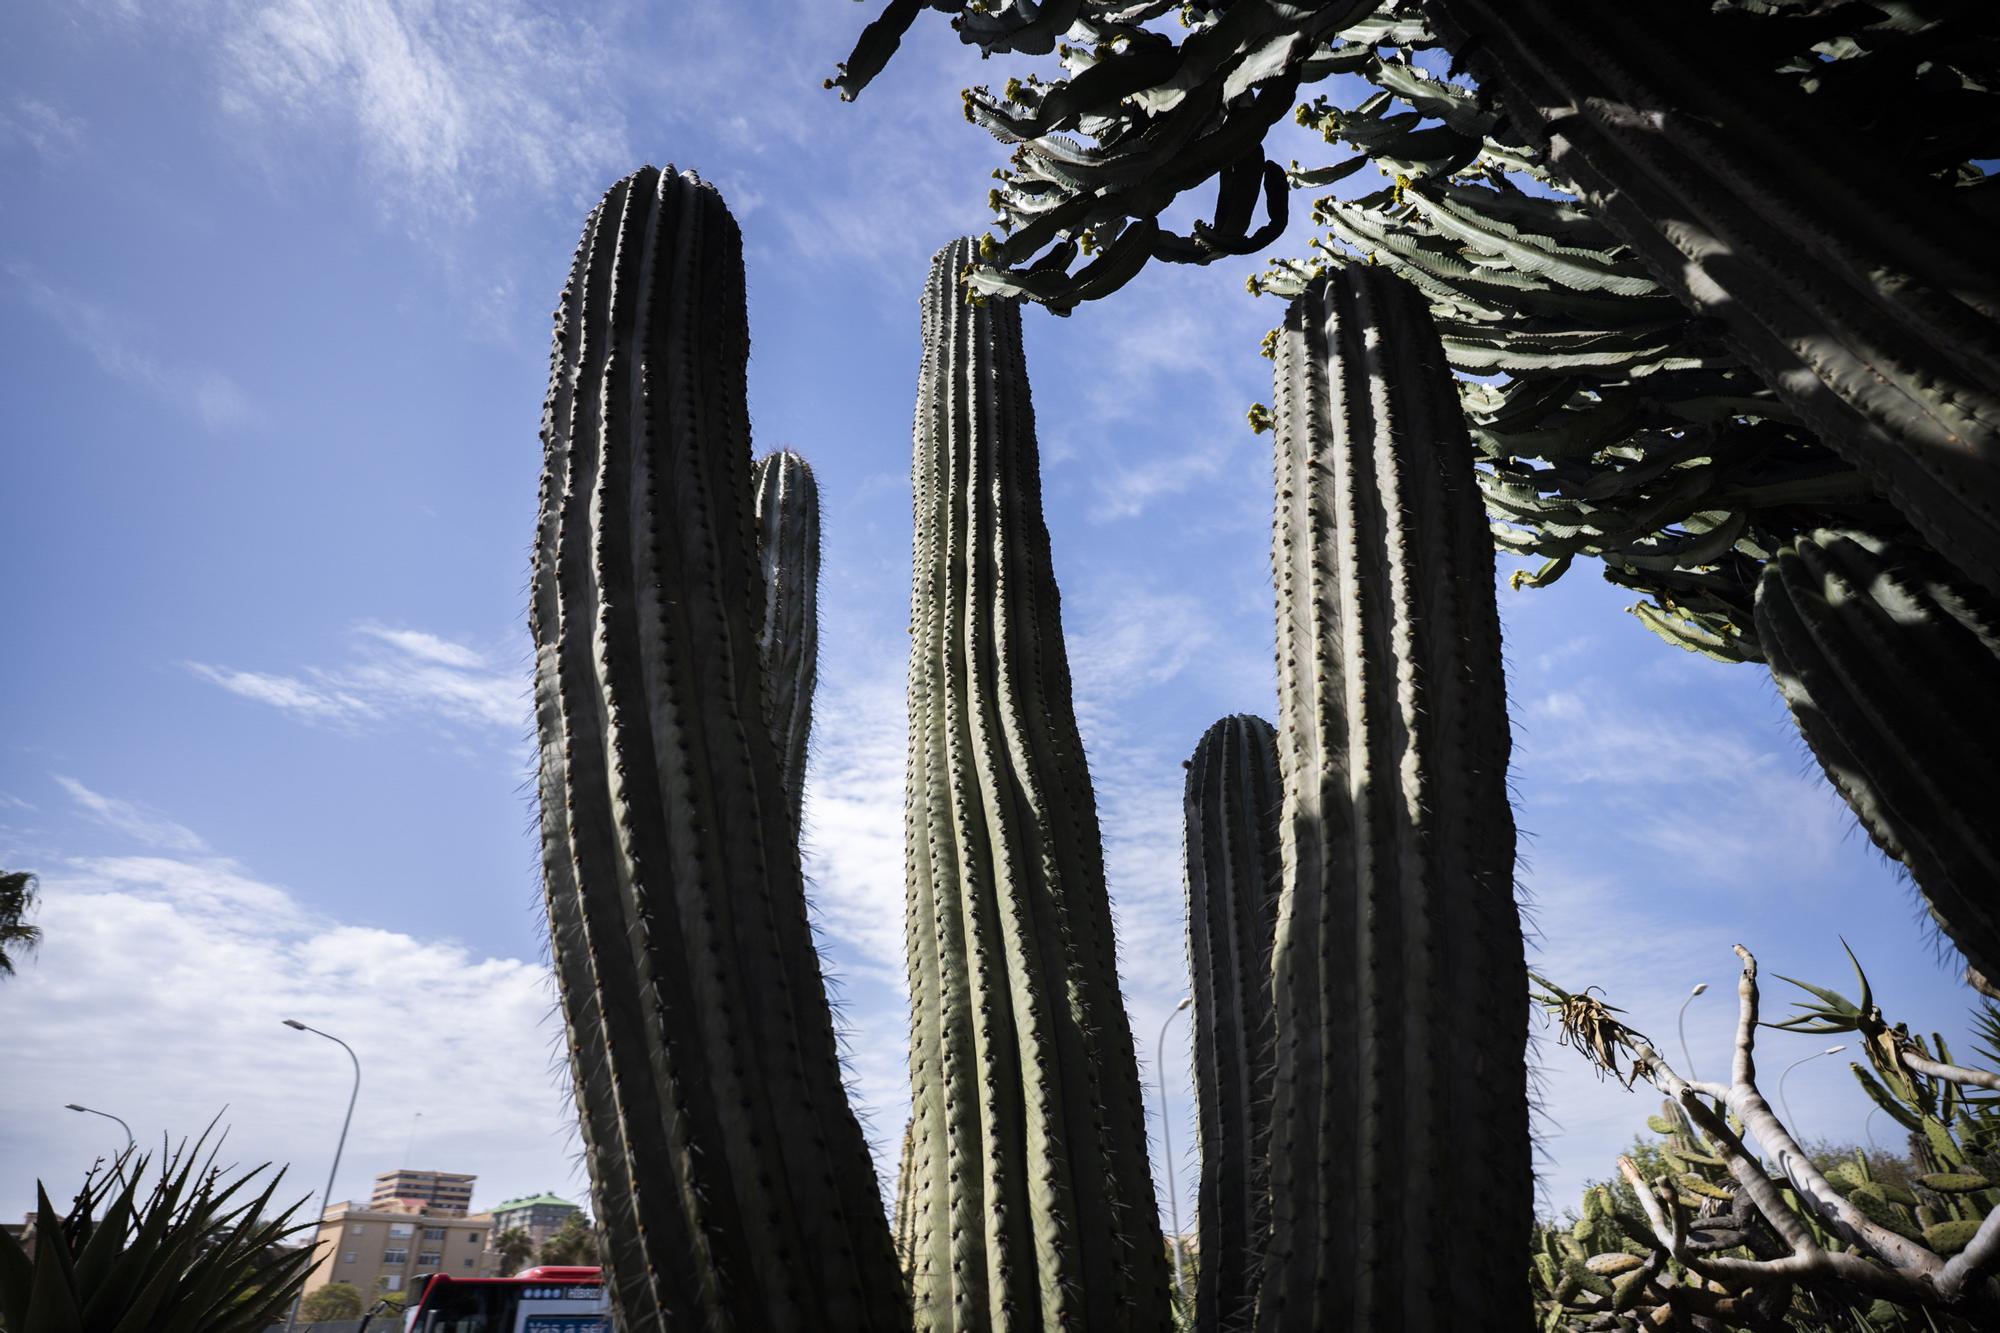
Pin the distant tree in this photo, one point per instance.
(17, 896)
(336, 1300)
(515, 1248)
(576, 1243)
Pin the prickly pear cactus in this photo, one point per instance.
(1400, 1169)
(733, 1187)
(1877, 644)
(788, 626)
(1032, 1202)
(1232, 887)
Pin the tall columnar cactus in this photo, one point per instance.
(1863, 293)
(1232, 807)
(1890, 660)
(788, 630)
(1032, 1200)
(732, 1182)
(1400, 1168)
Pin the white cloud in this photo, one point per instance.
(393, 673)
(206, 394)
(156, 995)
(134, 821)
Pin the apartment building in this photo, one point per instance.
(381, 1249)
(540, 1215)
(445, 1193)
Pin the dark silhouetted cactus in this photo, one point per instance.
(1400, 1167)
(1232, 890)
(1032, 1202)
(732, 1183)
(1858, 288)
(1887, 657)
(788, 631)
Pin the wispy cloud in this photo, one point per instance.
(147, 827)
(41, 128)
(206, 394)
(447, 104)
(393, 673)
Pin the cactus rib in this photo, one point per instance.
(1231, 809)
(787, 511)
(1032, 1203)
(1400, 987)
(733, 1183)
(1890, 661)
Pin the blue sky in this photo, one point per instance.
(275, 283)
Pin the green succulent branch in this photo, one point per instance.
(1767, 1229)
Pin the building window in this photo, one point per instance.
(433, 1233)
(473, 1237)
(356, 1228)
(401, 1230)
(392, 1282)
(347, 1258)
(468, 1263)
(395, 1257)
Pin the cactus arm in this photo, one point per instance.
(1852, 284)
(1033, 1199)
(1398, 952)
(1876, 645)
(752, 1195)
(1231, 804)
(787, 514)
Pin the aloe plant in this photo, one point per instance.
(1400, 988)
(733, 1186)
(1231, 806)
(1030, 1202)
(787, 507)
(1874, 641)
(194, 1252)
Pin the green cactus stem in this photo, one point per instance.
(1231, 808)
(732, 1183)
(1859, 289)
(787, 506)
(1890, 660)
(1032, 1200)
(1400, 1161)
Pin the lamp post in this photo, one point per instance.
(1791, 1124)
(1680, 1021)
(129, 1144)
(326, 1197)
(1167, 1141)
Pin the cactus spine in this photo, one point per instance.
(1232, 882)
(1859, 290)
(1890, 660)
(788, 630)
(732, 1182)
(1032, 1201)
(1400, 1168)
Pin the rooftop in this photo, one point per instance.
(533, 1200)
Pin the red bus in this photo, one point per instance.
(549, 1299)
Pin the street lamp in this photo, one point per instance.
(1789, 1122)
(129, 1144)
(325, 1198)
(1680, 1021)
(1167, 1141)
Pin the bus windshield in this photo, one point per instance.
(509, 1306)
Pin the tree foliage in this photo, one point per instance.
(335, 1300)
(17, 899)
